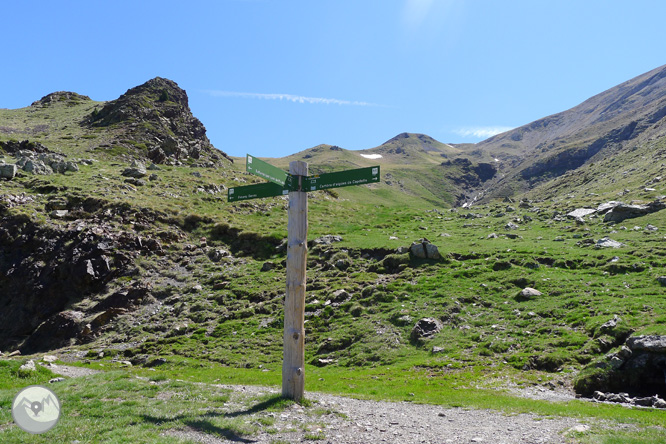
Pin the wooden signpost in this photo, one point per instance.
(296, 183)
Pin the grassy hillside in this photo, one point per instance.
(166, 270)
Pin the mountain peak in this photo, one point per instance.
(156, 115)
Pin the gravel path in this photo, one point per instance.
(339, 420)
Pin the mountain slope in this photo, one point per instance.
(609, 124)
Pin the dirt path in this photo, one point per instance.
(339, 420)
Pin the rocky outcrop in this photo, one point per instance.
(156, 116)
(622, 211)
(638, 367)
(60, 97)
(15, 147)
(43, 269)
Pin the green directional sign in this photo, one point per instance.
(255, 191)
(339, 179)
(267, 171)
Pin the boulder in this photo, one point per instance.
(7, 171)
(423, 249)
(28, 367)
(36, 166)
(650, 343)
(607, 242)
(136, 170)
(662, 280)
(529, 293)
(511, 226)
(425, 328)
(623, 211)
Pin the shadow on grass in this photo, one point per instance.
(200, 424)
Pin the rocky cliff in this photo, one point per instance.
(156, 117)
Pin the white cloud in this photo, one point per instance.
(288, 97)
(482, 132)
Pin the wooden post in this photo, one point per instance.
(293, 364)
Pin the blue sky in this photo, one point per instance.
(273, 77)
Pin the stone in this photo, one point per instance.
(268, 266)
(605, 207)
(136, 170)
(54, 380)
(623, 211)
(511, 226)
(650, 343)
(59, 214)
(8, 171)
(610, 325)
(649, 227)
(529, 292)
(423, 249)
(662, 280)
(36, 166)
(607, 242)
(659, 404)
(580, 213)
(28, 366)
(49, 358)
(136, 182)
(340, 296)
(425, 328)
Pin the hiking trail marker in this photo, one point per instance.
(296, 183)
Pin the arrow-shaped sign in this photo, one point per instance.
(339, 179)
(267, 171)
(255, 191)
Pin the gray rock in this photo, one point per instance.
(59, 214)
(650, 343)
(649, 227)
(36, 166)
(622, 211)
(604, 207)
(529, 292)
(610, 325)
(662, 280)
(511, 226)
(28, 366)
(8, 171)
(580, 213)
(268, 266)
(607, 242)
(423, 249)
(136, 182)
(136, 170)
(425, 328)
(54, 380)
